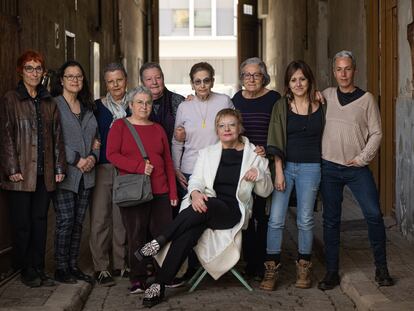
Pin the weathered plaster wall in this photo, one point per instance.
(314, 31)
(404, 153)
(284, 37)
(132, 29)
(347, 31)
(118, 27)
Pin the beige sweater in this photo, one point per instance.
(352, 131)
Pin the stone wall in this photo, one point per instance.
(404, 153)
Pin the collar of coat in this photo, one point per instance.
(42, 92)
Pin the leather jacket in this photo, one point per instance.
(18, 130)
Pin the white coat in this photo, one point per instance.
(219, 250)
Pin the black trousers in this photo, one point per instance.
(142, 223)
(187, 228)
(28, 215)
(254, 238)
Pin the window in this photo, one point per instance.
(225, 18)
(197, 17)
(202, 18)
(174, 18)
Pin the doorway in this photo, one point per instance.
(382, 59)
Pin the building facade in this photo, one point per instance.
(94, 33)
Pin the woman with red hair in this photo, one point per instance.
(33, 161)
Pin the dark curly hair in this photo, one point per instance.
(84, 95)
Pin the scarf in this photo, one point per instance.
(118, 111)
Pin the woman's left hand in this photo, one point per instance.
(90, 163)
(251, 175)
(173, 202)
(96, 144)
(59, 177)
(260, 151)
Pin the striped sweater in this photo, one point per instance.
(256, 114)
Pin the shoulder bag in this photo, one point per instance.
(132, 189)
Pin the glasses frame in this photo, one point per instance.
(30, 69)
(205, 81)
(256, 76)
(224, 126)
(142, 103)
(72, 78)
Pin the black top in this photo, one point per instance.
(228, 175)
(256, 114)
(347, 98)
(304, 134)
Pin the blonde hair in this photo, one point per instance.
(229, 112)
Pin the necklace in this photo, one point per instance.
(296, 107)
(203, 115)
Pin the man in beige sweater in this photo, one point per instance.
(350, 141)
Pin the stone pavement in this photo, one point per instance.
(357, 290)
(357, 264)
(228, 294)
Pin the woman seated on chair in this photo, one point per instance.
(217, 205)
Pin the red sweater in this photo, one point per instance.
(123, 153)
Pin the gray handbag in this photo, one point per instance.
(132, 189)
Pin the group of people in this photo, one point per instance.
(231, 164)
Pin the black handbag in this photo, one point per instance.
(132, 189)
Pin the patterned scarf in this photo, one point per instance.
(118, 110)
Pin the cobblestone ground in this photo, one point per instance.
(228, 294)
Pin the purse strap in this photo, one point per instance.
(136, 138)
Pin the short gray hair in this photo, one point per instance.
(344, 53)
(114, 67)
(262, 66)
(138, 90)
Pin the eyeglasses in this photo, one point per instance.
(256, 76)
(73, 78)
(222, 126)
(142, 103)
(205, 81)
(30, 69)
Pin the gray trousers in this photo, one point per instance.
(107, 229)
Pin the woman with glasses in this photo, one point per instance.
(255, 102)
(73, 195)
(195, 119)
(146, 221)
(196, 116)
(33, 160)
(294, 140)
(217, 206)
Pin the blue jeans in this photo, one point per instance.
(362, 185)
(305, 177)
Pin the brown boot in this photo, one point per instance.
(303, 274)
(271, 275)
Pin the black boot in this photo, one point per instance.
(79, 275)
(46, 280)
(30, 278)
(330, 281)
(382, 277)
(64, 276)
